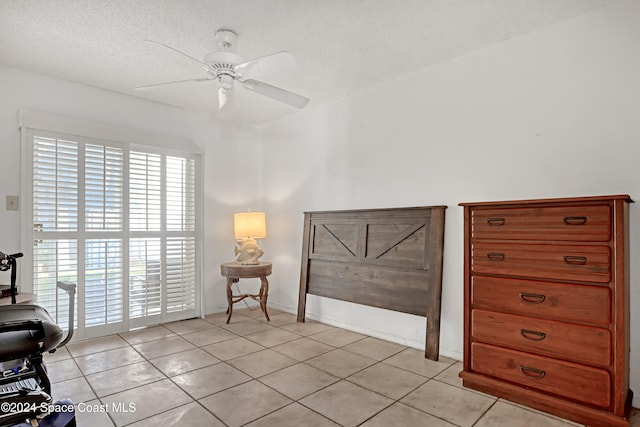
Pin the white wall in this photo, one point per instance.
(231, 185)
(552, 114)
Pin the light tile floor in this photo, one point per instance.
(203, 372)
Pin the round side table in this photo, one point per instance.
(234, 272)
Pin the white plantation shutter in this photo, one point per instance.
(55, 184)
(181, 251)
(181, 184)
(55, 213)
(104, 188)
(145, 279)
(103, 282)
(145, 191)
(54, 260)
(181, 274)
(120, 223)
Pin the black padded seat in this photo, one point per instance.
(30, 329)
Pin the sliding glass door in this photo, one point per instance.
(122, 222)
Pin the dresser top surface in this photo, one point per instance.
(624, 197)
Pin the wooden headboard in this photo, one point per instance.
(386, 258)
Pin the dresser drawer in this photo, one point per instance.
(582, 344)
(540, 261)
(570, 380)
(559, 223)
(559, 301)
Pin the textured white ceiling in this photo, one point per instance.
(342, 46)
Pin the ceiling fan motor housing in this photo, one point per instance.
(222, 65)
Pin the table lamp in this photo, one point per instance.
(247, 227)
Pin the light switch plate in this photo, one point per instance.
(12, 203)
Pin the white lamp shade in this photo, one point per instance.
(249, 225)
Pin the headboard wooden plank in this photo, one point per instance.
(385, 258)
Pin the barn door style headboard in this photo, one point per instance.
(385, 258)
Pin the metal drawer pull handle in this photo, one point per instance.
(494, 222)
(532, 298)
(575, 260)
(534, 373)
(495, 256)
(575, 220)
(533, 335)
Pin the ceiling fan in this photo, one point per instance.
(226, 67)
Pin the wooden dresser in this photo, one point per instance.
(546, 312)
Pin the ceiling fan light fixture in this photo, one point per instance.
(225, 82)
(223, 97)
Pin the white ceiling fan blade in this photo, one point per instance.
(266, 64)
(205, 66)
(204, 79)
(276, 93)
